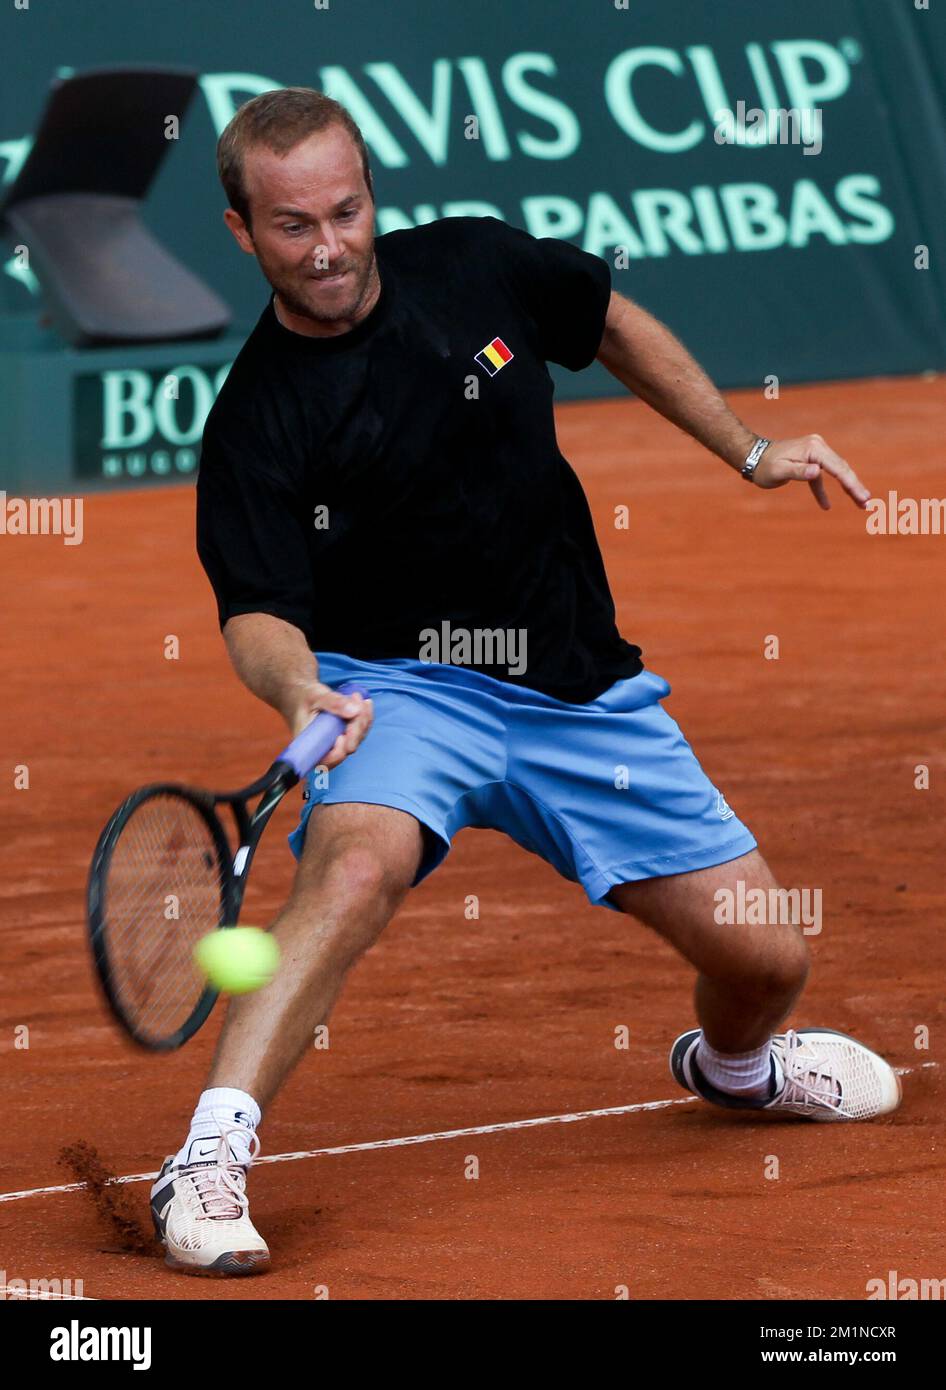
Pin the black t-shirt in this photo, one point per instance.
(374, 486)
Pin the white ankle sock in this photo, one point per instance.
(221, 1108)
(739, 1073)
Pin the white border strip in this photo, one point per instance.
(387, 1143)
(567, 1119)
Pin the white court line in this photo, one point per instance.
(387, 1143)
(370, 1144)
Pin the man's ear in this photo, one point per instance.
(240, 231)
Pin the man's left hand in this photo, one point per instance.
(808, 460)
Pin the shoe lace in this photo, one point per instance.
(810, 1079)
(218, 1188)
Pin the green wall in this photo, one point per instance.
(596, 121)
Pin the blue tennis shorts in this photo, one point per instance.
(605, 792)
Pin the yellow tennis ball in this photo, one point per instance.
(238, 960)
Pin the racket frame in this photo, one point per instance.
(296, 760)
(234, 867)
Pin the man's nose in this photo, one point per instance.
(328, 251)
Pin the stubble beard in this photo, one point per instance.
(289, 294)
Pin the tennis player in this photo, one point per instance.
(382, 498)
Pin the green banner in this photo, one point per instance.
(768, 179)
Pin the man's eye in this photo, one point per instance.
(293, 227)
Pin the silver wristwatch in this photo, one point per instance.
(753, 457)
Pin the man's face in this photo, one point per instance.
(312, 226)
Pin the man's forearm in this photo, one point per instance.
(651, 362)
(272, 659)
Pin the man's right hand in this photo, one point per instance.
(272, 658)
(357, 712)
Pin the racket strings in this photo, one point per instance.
(164, 890)
(154, 856)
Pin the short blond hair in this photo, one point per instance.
(279, 120)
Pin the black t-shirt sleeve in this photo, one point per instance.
(250, 536)
(564, 290)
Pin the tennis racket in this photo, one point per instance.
(164, 874)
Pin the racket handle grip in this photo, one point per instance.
(308, 749)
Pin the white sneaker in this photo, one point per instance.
(829, 1076)
(201, 1214)
(826, 1076)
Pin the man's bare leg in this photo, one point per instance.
(357, 864)
(748, 979)
(748, 976)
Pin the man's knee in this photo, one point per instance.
(774, 964)
(765, 959)
(357, 866)
(359, 875)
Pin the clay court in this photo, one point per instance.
(509, 1022)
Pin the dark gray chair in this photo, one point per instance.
(76, 204)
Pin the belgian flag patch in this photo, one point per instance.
(494, 356)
